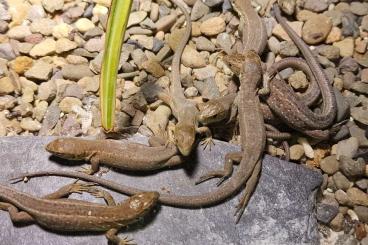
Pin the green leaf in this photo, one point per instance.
(116, 26)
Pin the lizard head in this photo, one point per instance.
(211, 112)
(184, 135)
(67, 148)
(234, 61)
(143, 202)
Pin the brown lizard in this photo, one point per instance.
(121, 154)
(185, 111)
(57, 214)
(253, 140)
(286, 105)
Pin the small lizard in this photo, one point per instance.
(253, 141)
(122, 154)
(286, 105)
(57, 214)
(184, 110)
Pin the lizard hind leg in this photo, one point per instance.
(114, 239)
(226, 172)
(16, 216)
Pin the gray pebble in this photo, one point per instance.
(316, 5)
(358, 133)
(327, 210)
(199, 10)
(359, 8)
(346, 239)
(203, 44)
(351, 168)
(360, 114)
(39, 71)
(343, 109)
(341, 182)
(207, 88)
(213, 3)
(329, 51)
(76, 72)
(288, 48)
(343, 198)
(6, 51)
(348, 147)
(362, 184)
(362, 213)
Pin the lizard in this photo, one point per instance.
(121, 154)
(289, 108)
(57, 214)
(253, 141)
(184, 110)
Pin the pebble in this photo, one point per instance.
(36, 12)
(346, 47)
(213, 26)
(40, 70)
(64, 45)
(61, 30)
(341, 182)
(330, 52)
(47, 91)
(208, 88)
(351, 168)
(23, 109)
(347, 148)
(44, 26)
(362, 184)
(192, 58)
(296, 152)
(7, 102)
(6, 86)
(362, 213)
(360, 114)
(158, 119)
(315, 5)
(6, 51)
(153, 67)
(327, 210)
(334, 35)
(165, 23)
(136, 18)
(308, 150)
(191, 92)
(89, 84)
(357, 196)
(144, 41)
(203, 44)
(83, 25)
(315, 30)
(329, 165)
(21, 64)
(337, 223)
(66, 104)
(288, 48)
(30, 125)
(39, 110)
(19, 32)
(343, 198)
(206, 72)
(359, 8)
(76, 72)
(52, 5)
(199, 10)
(46, 47)
(279, 32)
(27, 95)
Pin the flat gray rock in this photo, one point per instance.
(281, 211)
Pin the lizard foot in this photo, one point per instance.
(127, 241)
(207, 142)
(79, 187)
(86, 170)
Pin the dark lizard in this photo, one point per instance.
(57, 214)
(251, 127)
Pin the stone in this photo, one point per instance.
(315, 30)
(192, 58)
(6, 51)
(89, 84)
(39, 110)
(315, 5)
(351, 168)
(343, 198)
(21, 64)
(44, 26)
(19, 32)
(46, 47)
(266, 214)
(213, 26)
(206, 72)
(337, 223)
(329, 165)
(203, 44)
(327, 210)
(358, 8)
(341, 182)
(346, 47)
(61, 30)
(199, 10)
(64, 45)
(362, 213)
(76, 72)
(94, 45)
(39, 71)
(136, 18)
(208, 88)
(52, 5)
(360, 114)
(153, 67)
(30, 125)
(357, 196)
(47, 91)
(347, 147)
(278, 31)
(84, 24)
(6, 86)
(66, 104)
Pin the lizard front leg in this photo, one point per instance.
(94, 159)
(230, 158)
(208, 141)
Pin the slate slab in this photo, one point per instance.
(281, 211)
